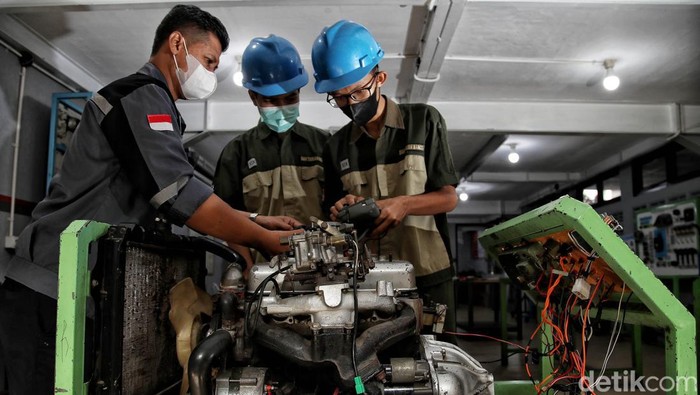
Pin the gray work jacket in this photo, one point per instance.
(125, 164)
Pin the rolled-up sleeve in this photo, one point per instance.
(438, 158)
(191, 196)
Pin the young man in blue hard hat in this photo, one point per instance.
(395, 153)
(274, 168)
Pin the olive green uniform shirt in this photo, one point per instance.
(411, 157)
(274, 174)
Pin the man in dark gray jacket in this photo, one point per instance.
(126, 163)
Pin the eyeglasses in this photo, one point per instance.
(356, 96)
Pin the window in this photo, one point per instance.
(590, 194)
(686, 163)
(669, 164)
(654, 172)
(611, 188)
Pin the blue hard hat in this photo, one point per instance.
(342, 55)
(271, 66)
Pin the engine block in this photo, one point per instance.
(328, 318)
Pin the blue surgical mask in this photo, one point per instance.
(280, 119)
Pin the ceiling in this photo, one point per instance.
(501, 72)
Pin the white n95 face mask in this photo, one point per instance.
(197, 82)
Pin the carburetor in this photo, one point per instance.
(328, 248)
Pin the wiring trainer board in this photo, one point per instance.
(572, 263)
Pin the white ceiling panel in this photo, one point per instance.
(520, 71)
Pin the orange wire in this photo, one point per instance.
(556, 333)
(561, 337)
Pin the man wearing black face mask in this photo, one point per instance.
(396, 154)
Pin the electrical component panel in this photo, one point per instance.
(565, 255)
(667, 238)
(575, 266)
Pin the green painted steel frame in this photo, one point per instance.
(696, 303)
(516, 387)
(73, 289)
(665, 311)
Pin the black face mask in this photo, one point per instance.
(362, 112)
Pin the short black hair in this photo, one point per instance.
(190, 20)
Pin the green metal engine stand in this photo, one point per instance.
(662, 309)
(73, 290)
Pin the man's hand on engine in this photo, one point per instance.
(393, 211)
(271, 245)
(348, 200)
(277, 222)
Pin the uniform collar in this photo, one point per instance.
(262, 131)
(393, 119)
(151, 70)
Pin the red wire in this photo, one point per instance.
(577, 365)
(537, 284)
(560, 338)
(556, 331)
(557, 334)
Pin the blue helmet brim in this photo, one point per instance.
(345, 80)
(281, 88)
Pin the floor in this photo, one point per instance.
(488, 351)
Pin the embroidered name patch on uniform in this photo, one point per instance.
(412, 147)
(161, 122)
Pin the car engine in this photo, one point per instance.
(326, 318)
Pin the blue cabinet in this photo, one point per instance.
(66, 110)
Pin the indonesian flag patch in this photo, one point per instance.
(160, 122)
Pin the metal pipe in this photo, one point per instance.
(206, 116)
(39, 68)
(227, 305)
(299, 350)
(10, 48)
(512, 59)
(10, 240)
(384, 335)
(407, 390)
(199, 364)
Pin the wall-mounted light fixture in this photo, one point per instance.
(462, 190)
(238, 74)
(513, 156)
(611, 81)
